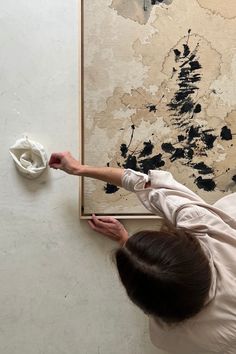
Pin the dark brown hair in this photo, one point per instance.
(166, 274)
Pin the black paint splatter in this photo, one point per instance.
(202, 168)
(181, 138)
(198, 108)
(155, 2)
(209, 140)
(151, 163)
(205, 183)
(152, 107)
(131, 163)
(195, 65)
(168, 147)
(124, 149)
(226, 133)
(147, 150)
(183, 102)
(110, 188)
(184, 107)
(177, 55)
(193, 132)
(133, 159)
(186, 50)
(178, 154)
(192, 139)
(189, 153)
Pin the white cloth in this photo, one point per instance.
(30, 157)
(213, 330)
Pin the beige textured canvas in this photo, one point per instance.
(158, 93)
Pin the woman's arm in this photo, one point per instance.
(106, 225)
(66, 162)
(106, 174)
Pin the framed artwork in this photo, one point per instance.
(158, 92)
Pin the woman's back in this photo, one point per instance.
(213, 329)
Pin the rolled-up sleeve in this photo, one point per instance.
(132, 179)
(164, 196)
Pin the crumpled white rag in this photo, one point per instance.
(30, 157)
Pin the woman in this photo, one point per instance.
(183, 277)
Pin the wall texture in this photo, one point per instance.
(59, 290)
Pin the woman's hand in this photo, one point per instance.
(65, 162)
(110, 227)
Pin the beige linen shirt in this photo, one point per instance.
(213, 330)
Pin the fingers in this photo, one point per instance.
(56, 157)
(103, 228)
(107, 219)
(110, 227)
(103, 219)
(107, 224)
(58, 160)
(94, 227)
(55, 160)
(98, 223)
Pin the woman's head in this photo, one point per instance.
(166, 274)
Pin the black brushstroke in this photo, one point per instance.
(182, 104)
(173, 72)
(226, 133)
(151, 163)
(193, 132)
(195, 65)
(187, 107)
(192, 139)
(110, 188)
(168, 147)
(205, 183)
(177, 55)
(178, 154)
(132, 134)
(131, 163)
(152, 107)
(198, 108)
(124, 150)
(209, 140)
(202, 168)
(181, 138)
(147, 150)
(186, 50)
(189, 153)
(234, 178)
(153, 2)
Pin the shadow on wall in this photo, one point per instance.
(33, 185)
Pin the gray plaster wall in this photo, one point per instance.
(59, 293)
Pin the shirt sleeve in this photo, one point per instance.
(227, 204)
(132, 179)
(164, 196)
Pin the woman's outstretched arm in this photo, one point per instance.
(106, 225)
(66, 162)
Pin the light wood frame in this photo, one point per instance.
(83, 215)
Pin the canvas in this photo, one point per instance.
(158, 92)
